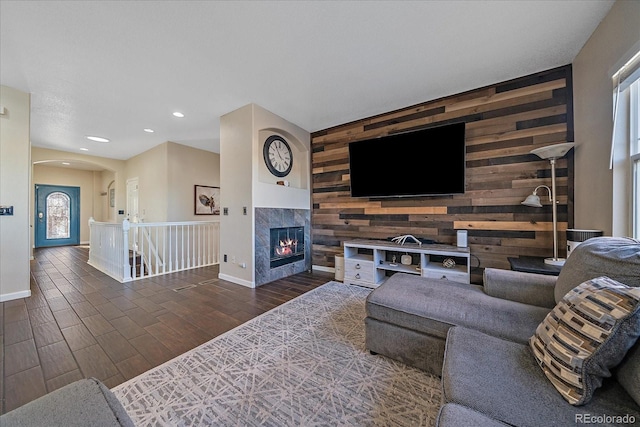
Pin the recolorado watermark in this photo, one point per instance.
(604, 419)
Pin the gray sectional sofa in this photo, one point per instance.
(83, 403)
(477, 339)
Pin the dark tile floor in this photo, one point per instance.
(80, 323)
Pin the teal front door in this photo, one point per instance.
(57, 215)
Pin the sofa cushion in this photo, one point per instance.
(628, 372)
(82, 403)
(614, 257)
(527, 288)
(432, 306)
(586, 335)
(502, 380)
(452, 415)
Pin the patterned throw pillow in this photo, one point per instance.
(586, 335)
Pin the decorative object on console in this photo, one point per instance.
(405, 259)
(461, 241)
(552, 153)
(448, 263)
(278, 156)
(402, 239)
(587, 334)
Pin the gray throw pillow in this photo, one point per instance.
(614, 257)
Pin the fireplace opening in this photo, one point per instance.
(287, 245)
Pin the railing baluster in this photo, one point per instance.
(156, 251)
(182, 245)
(194, 246)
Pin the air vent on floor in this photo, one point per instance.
(209, 282)
(182, 288)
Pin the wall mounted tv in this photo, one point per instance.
(426, 162)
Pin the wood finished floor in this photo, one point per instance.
(80, 323)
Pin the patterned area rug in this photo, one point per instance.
(303, 363)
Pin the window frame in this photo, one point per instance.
(52, 209)
(634, 155)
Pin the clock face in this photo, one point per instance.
(278, 156)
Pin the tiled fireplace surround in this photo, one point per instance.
(265, 220)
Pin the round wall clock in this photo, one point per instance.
(278, 156)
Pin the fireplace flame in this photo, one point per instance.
(285, 247)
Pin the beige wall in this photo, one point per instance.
(188, 167)
(166, 176)
(236, 230)
(49, 175)
(114, 169)
(606, 50)
(107, 182)
(246, 182)
(15, 174)
(150, 168)
(266, 193)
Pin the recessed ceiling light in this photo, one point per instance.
(149, 130)
(178, 114)
(66, 163)
(97, 139)
(84, 149)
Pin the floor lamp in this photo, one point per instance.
(552, 153)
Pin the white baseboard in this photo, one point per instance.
(15, 295)
(236, 280)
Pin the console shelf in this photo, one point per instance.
(369, 262)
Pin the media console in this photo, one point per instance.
(369, 262)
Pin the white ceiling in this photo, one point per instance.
(113, 68)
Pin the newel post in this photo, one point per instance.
(126, 272)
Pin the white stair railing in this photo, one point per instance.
(106, 245)
(159, 248)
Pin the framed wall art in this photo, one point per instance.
(207, 200)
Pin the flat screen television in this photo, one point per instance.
(426, 162)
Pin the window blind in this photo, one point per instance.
(626, 75)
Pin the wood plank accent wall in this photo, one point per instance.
(504, 122)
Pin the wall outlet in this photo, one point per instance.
(225, 257)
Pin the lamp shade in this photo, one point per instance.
(553, 151)
(532, 200)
